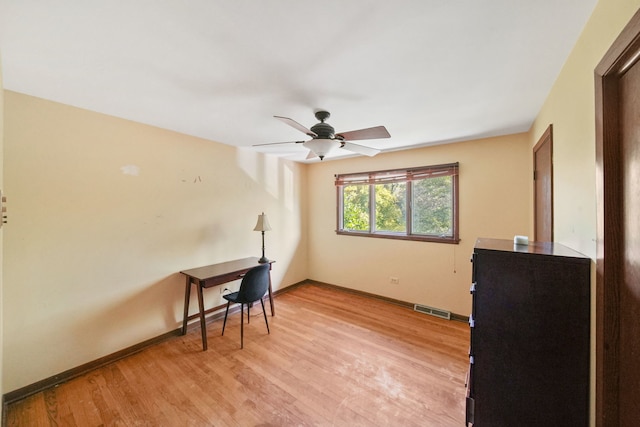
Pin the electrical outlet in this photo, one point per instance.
(394, 280)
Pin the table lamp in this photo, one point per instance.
(262, 225)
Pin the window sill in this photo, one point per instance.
(434, 239)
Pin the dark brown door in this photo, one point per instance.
(618, 263)
(543, 187)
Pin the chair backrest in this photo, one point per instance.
(254, 284)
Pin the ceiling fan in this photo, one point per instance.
(324, 138)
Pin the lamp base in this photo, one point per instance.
(263, 260)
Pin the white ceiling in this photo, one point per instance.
(431, 71)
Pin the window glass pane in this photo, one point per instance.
(391, 202)
(433, 206)
(355, 201)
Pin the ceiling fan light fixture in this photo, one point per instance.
(321, 146)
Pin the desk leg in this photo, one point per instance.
(187, 295)
(273, 312)
(203, 323)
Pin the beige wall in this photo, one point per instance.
(570, 106)
(494, 202)
(104, 214)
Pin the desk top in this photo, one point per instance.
(223, 268)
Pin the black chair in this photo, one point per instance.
(252, 288)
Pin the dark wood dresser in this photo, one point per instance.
(529, 354)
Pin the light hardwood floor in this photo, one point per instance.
(332, 359)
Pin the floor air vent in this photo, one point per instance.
(432, 311)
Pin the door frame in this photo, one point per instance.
(622, 54)
(547, 137)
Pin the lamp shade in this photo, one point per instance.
(263, 223)
(321, 146)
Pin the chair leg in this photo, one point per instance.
(225, 317)
(241, 325)
(249, 313)
(265, 315)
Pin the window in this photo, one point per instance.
(413, 204)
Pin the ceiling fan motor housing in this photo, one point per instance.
(323, 130)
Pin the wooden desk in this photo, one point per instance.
(215, 275)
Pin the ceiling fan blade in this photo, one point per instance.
(276, 143)
(296, 125)
(311, 155)
(360, 149)
(369, 133)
